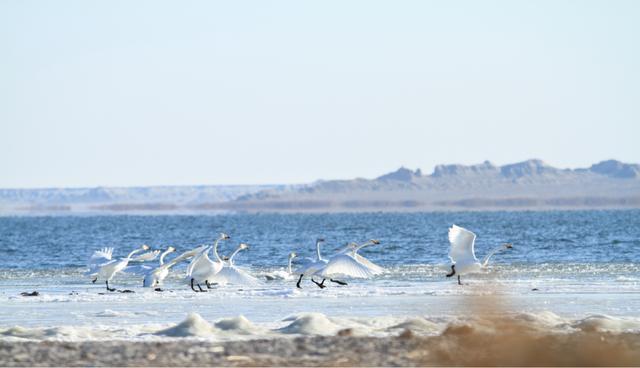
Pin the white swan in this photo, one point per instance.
(154, 277)
(101, 266)
(280, 274)
(310, 267)
(230, 274)
(347, 264)
(462, 255)
(202, 268)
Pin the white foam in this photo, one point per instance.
(602, 323)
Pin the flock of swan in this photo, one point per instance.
(203, 270)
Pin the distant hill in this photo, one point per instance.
(530, 184)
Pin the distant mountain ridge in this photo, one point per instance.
(530, 184)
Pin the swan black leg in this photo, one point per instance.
(459, 283)
(338, 282)
(201, 289)
(108, 288)
(320, 284)
(453, 271)
(298, 283)
(208, 284)
(192, 288)
(94, 280)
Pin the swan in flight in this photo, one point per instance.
(101, 266)
(230, 274)
(280, 274)
(154, 277)
(347, 264)
(462, 255)
(202, 268)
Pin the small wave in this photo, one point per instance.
(123, 314)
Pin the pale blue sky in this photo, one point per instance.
(156, 92)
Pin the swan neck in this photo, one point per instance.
(233, 255)
(318, 250)
(215, 250)
(133, 252)
(289, 265)
(486, 259)
(362, 246)
(163, 255)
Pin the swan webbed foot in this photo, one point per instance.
(108, 288)
(193, 288)
(201, 289)
(158, 289)
(338, 282)
(320, 284)
(453, 271)
(126, 291)
(298, 283)
(94, 280)
(208, 284)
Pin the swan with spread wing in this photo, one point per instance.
(462, 253)
(102, 266)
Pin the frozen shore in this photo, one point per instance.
(495, 343)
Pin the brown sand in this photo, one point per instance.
(489, 343)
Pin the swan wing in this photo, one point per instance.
(462, 241)
(311, 267)
(144, 257)
(234, 276)
(198, 262)
(374, 268)
(138, 270)
(97, 259)
(346, 266)
(188, 254)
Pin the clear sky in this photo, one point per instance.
(155, 92)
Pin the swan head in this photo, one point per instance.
(243, 246)
(375, 241)
(171, 249)
(319, 240)
(144, 247)
(224, 236)
(292, 255)
(507, 245)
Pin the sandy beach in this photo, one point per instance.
(489, 342)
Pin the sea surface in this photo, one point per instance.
(570, 265)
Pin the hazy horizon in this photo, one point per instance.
(424, 172)
(165, 93)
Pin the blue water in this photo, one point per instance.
(39, 243)
(573, 263)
